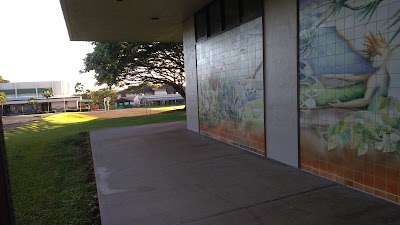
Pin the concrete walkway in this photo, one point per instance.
(164, 174)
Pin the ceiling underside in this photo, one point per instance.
(128, 20)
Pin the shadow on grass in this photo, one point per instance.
(49, 166)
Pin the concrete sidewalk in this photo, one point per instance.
(165, 174)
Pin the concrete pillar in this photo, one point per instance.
(281, 89)
(189, 50)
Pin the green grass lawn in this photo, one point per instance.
(50, 166)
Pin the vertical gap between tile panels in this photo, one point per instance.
(299, 159)
(264, 78)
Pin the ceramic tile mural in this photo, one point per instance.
(350, 92)
(230, 86)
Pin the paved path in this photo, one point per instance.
(164, 174)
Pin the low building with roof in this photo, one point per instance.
(164, 95)
(26, 97)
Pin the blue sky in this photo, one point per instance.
(34, 44)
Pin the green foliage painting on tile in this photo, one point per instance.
(230, 77)
(349, 74)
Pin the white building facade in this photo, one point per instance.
(18, 95)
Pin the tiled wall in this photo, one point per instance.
(349, 93)
(230, 84)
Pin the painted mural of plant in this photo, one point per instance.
(228, 101)
(392, 21)
(333, 9)
(365, 10)
(225, 100)
(366, 131)
(220, 102)
(310, 92)
(307, 38)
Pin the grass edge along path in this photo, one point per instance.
(49, 175)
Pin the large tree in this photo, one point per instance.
(99, 95)
(79, 88)
(126, 63)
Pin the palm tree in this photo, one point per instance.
(32, 101)
(79, 88)
(47, 94)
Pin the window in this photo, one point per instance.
(9, 92)
(221, 15)
(215, 16)
(251, 9)
(201, 25)
(232, 13)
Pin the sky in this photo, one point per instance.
(35, 46)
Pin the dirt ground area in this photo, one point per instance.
(10, 122)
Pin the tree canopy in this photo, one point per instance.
(47, 93)
(127, 63)
(99, 95)
(32, 101)
(3, 98)
(2, 80)
(79, 88)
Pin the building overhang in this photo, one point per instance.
(125, 20)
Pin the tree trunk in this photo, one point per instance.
(180, 91)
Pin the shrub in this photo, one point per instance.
(53, 111)
(72, 110)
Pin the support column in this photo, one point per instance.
(189, 50)
(281, 88)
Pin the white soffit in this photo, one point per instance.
(128, 20)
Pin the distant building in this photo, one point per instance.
(19, 93)
(146, 90)
(163, 95)
(165, 89)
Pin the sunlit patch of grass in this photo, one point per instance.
(52, 122)
(69, 118)
(168, 108)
